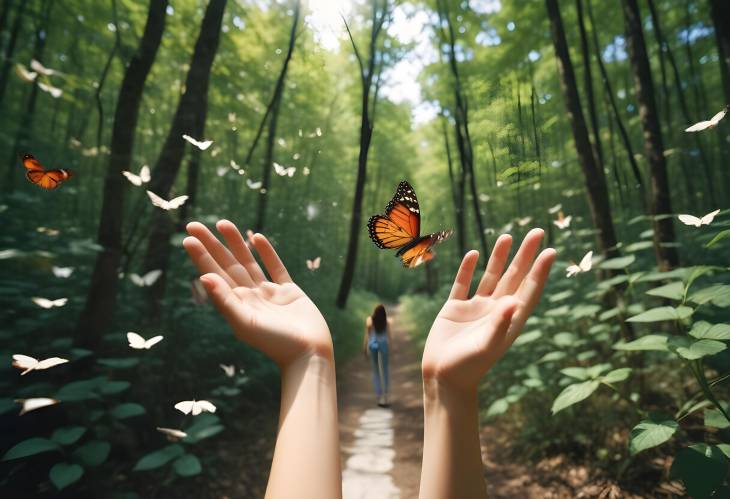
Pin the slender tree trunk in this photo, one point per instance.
(98, 312)
(268, 163)
(588, 85)
(594, 176)
(4, 14)
(666, 255)
(10, 47)
(189, 118)
(457, 195)
(721, 18)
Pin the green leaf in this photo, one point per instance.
(719, 237)
(552, 356)
(583, 311)
(197, 434)
(93, 453)
(572, 394)
(617, 263)
(641, 245)
(7, 405)
(563, 295)
(705, 330)
(655, 430)
(497, 407)
(159, 458)
(662, 314)
(656, 342)
(80, 390)
(187, 465)
(702, 468)
(127, 410)
(68, 435)
(527, 338)
(30, 447)
(113, 387)
(579, 373)
(616, 375)
(119, 363)
(714, 418)
(64, 474)
(564, 339)
(717, 294)
(693, 350)
(673, 291)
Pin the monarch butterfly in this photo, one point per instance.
(400, 228)
(47, 179)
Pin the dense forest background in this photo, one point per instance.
(502, 115)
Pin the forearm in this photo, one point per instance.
(307, 445)
(452, 461)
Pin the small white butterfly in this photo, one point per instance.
(698, 222)
(139, 343)
(24, 74)
(306, 171)
(62, 272)
(221, 171)
(200, 296)
(55, 92)
(524, 221)
(146, 280)
(202, 144)
(195, 406)
(554, 209)
(230, 370)
(31, 364)
(234, 165)
(314, 264)
(562, 222)
(711, 123)
(40, 68)
(584, 266)
(172, 204)
(46, 303)
(254, 185)
(284, 171)
(35, 403)
(172, 434)
(142, 178)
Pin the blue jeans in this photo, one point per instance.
(379, 361)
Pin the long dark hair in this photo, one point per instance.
(379, 318)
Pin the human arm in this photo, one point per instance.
(390, 337)
(468, 336)
(277, 318)
(365, 337)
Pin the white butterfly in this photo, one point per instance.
(711, 123)
(35, 403)
(254, 185)
(235, 165)
(40, 68)
(30, 363)
(314, 264)
(200, 296)
(697, 222)
(194, 406)
(139, 343)
(306, 171)
(229, 370)
(562, 222)
(62, 272)
(172, 434)
(584, 266)
(524, 221)
(554, 209)
(55, 92)
(172, 204)
(46, 303)
(221, 171)
(146, 280)
(24, 74)
(202, 144)
(283, 171)
(142, 178)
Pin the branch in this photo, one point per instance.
(354, 47)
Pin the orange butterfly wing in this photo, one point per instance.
(401, 223)
(31, 164)
(421, 251)
(50, 179)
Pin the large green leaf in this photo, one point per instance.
(705, 330)
(702, 468)
(656, 342)
(92, 453)
(662, 314)
(717, 294)
(650, 432)
(159, 458)
(30, 447)
(497, 407)
(673, 291)
(693, 350)
(617, 375)
(572, 394)
(187, 465)
(64, 474)
(617, 263)
(68, 435)
(714, 418)
(127, 410)
(579, 373)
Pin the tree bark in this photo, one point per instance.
(98, 312)
(666, 256)
(588, 85)
(721, 18)
(10, 48)
(595, 178)
(189, 118)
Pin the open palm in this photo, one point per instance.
(470, 334)
(274, 316)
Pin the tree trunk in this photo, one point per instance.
(588, 86)
(98, 312)
(721, 19)
(457, 192)
(275, 107)
(10, 48)
(4, 14)
(666, 256)
(189, 118)
(595, 178)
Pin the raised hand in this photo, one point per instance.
(272, 315)
(470, 334)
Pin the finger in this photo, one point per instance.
(203, 261)
(226, 301)
(495, 266)
(274, 266)
(517, 270)
(501, 315)
(240, 250)
(531, 289)
(462, 281)
(220, 253)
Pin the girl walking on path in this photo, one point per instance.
(376, 341)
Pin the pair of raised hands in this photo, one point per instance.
(469, 335)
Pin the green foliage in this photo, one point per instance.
(64, 474)
(650, 432)
(702, 468)
(30, 447)
(159, 458)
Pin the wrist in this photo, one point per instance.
(438, 392)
